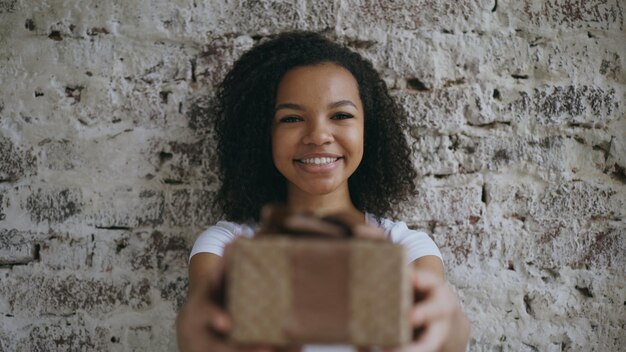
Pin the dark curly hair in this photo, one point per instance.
(245, 109)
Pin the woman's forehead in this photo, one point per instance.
(327, 82)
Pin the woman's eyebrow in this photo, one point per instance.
(301, 108)
(341, 103)
(289, 106)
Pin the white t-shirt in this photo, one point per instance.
(417, 243)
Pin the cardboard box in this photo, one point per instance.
(291, 291)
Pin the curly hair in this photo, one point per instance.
(245, 108)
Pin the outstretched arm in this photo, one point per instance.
(437, 315)
(202, 323)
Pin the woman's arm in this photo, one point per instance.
(445, 326)
(203, 269)
(197, 315)
(202, 323)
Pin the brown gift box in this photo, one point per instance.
(291, 291)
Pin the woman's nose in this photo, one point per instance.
(319, 133)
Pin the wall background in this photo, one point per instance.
(518, 121)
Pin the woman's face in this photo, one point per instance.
(317, 131)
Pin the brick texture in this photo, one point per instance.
(516, 120)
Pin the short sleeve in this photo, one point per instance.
(417, 243)
(215, 238)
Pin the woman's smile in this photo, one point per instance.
(318, 164)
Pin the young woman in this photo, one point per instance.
(308, 123)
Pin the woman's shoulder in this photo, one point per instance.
(214, 238)
(391, 227)
(418, 243)
(230, 228)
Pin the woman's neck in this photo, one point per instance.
(334, 203)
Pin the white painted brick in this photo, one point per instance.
(128, 207)
(411, 15)
(16, 247)
(451, 200)
(554, 15)
(515, 116)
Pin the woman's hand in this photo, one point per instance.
(437, 319)
(202, 324)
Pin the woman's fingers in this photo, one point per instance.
(204, 314)
(209, 332)
(424, 280)
(440, 305)
(203, 325)
(220, 320)
(430, 341)
(200, 313)
(194, 327)
(439, 301)
(434, 313)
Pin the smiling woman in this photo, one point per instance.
(308, 123)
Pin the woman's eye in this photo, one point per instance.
(289, 119)
(342, 116)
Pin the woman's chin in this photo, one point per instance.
(320, 190)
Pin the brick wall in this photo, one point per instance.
(518, 126)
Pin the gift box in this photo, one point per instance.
(292, 291)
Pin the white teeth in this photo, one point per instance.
(319, 161)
